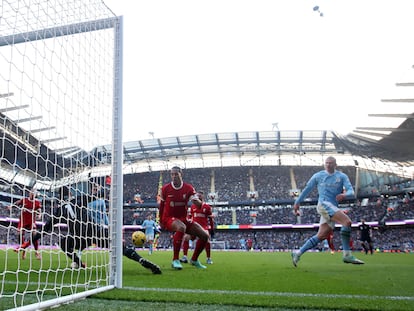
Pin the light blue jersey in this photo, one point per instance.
(329, 186)
(97, 210)
(149, 226)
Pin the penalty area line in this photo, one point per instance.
(280, 294)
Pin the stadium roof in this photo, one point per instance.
(259, 148)
(233, 149)
(396, 146)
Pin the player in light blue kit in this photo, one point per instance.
(333, 187)
(97, 208)
(150, 226)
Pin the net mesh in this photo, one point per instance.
(56, 106)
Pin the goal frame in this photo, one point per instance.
(116, 194)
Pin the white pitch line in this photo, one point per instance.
(237, 292)
(281, 294)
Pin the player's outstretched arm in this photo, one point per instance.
(132, 254)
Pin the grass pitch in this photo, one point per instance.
(263, 281)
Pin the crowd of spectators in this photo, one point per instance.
(265, 215)
(229, 183)
(393, 238)
(269, 183)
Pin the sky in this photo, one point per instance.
(195, 67)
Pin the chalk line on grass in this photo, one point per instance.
(281, 294)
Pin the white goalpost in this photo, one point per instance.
(60, 98)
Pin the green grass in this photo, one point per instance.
(263, 281)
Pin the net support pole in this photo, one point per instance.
(117, 162)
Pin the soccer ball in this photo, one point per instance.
(138, 238)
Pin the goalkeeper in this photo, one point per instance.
(82, 231)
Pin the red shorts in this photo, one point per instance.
(28, 226)
(167, 223)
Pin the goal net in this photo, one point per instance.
(60, 128)
(218, 245)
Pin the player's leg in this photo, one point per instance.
(330, 242)
(371, 248)
(155, 242)
(23, 244)
(202, 235)
(150, 241)
(178, 227)
(345, 231)
(186, 246)
(20, 234)
(46, 228)
(364, 246)
(351, 244)
(345, 221)
(35, 243)
(67, 244)
(312, 242)
(208, 252)
(130, 253)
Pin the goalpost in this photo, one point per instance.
(60, 98)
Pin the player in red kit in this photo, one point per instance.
(330, 242)
(175, 197)
(204, 216)
(330, 238)
(30, 210)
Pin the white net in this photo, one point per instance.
(218, 245)
(57, 82)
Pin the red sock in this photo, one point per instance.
(25, 244)
(200, 244)
(177, 241)
(186, 245)
(208, 249)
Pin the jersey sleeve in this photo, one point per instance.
(308, 188)
(349, 190)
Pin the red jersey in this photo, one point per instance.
(202, 214)
(27, 216)
(174, 201)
